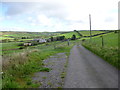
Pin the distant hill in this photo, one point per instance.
(15, 34)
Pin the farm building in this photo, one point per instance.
(40, 40)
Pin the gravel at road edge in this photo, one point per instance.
(55, 77)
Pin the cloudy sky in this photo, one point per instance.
(58, 15)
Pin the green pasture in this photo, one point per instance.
(69, 34)
(109, 50)
(27, 34)
(1, 38)
(24, 40)
(10, 45)
(84, 33)
(109, 40)
(87, 33)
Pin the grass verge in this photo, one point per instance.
(109, 54)
(19, 68)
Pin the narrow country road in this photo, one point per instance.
(86, 70)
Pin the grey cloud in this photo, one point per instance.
(50, 9)
(15, 8)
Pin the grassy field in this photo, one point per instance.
(84, 33)
(109, 51)
(70, 34)
(30, 35)
(87, 33)
(1, 38)
(10, 45)
(110, 40)
(10, 40)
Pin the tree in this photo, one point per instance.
(62, 37)
(51, 38)
(115, 31)
(73, 37)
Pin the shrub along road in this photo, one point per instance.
(86, 70)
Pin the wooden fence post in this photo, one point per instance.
(102, 41)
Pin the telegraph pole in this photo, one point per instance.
(90, 27)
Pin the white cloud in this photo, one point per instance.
(66, 14)
(44, 20)
(30, 18)
(32, 24)
(1, 18)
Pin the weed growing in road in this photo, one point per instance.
(43, 69)
(50, 84)
(63, 75)
(44, 77)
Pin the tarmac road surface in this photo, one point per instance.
(86, 70)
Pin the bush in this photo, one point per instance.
(22, 47)
(73, 37)
(115, 31)
(83, 39)
(5, 40)
(51, 39)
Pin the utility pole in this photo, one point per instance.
(90, 27)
